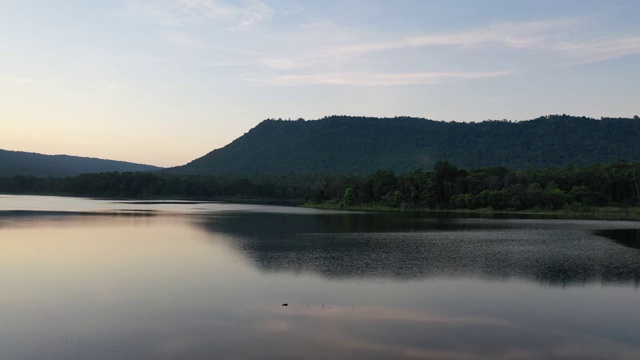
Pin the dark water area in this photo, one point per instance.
(93, 279)
(398, 246)
(626, 237)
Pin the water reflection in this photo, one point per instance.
(409, 247)
(393, 333)
(203, 286)
(626, 237)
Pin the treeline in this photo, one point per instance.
(444, 187)
(141, 185)
(449, 187)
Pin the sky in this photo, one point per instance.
(164, 82)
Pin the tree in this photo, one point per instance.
(448, 181)
(348, 199)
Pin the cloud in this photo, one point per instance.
(328, 54)
(315, 49)
(373, 78)
(508, 35)
(554, 37)
(601, 49)
(336, 57)
(185, 12)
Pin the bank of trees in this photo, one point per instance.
(448, 187)
(141, 185)
(444, 187)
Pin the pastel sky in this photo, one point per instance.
(163, 82)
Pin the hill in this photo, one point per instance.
(360, 145)
(25, 163)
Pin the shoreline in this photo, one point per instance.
(593, 213)
(631, 213)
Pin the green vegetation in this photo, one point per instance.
(360, 145)
(609, 190)
(591, 191)
(145, 185)
(448, 187)
(24, 163)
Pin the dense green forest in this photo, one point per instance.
(25, 163)
(362, 145)
(449, 187)
(444, 187)
(147, 185)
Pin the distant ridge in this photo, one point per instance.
(25, 163)
(357, 145)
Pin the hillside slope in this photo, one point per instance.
(340, 144)
(25, 163)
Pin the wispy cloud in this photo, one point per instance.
(532, 35)
(511, 35)
(600, 49)
(374, 78)
(329, 54)
(184, 12)
(551, 43)
(553, 37)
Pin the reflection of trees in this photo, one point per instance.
(626, 237)
(406, 247)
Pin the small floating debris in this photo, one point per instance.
(285, 304)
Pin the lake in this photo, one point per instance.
(101, 279)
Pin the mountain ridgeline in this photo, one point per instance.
(361, 145)
(25, 163)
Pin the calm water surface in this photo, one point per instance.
(97, 279)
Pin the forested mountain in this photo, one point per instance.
(360, 145)
(25, 163)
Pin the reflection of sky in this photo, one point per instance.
(387, 332)
(149, 287)
(12, 203)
